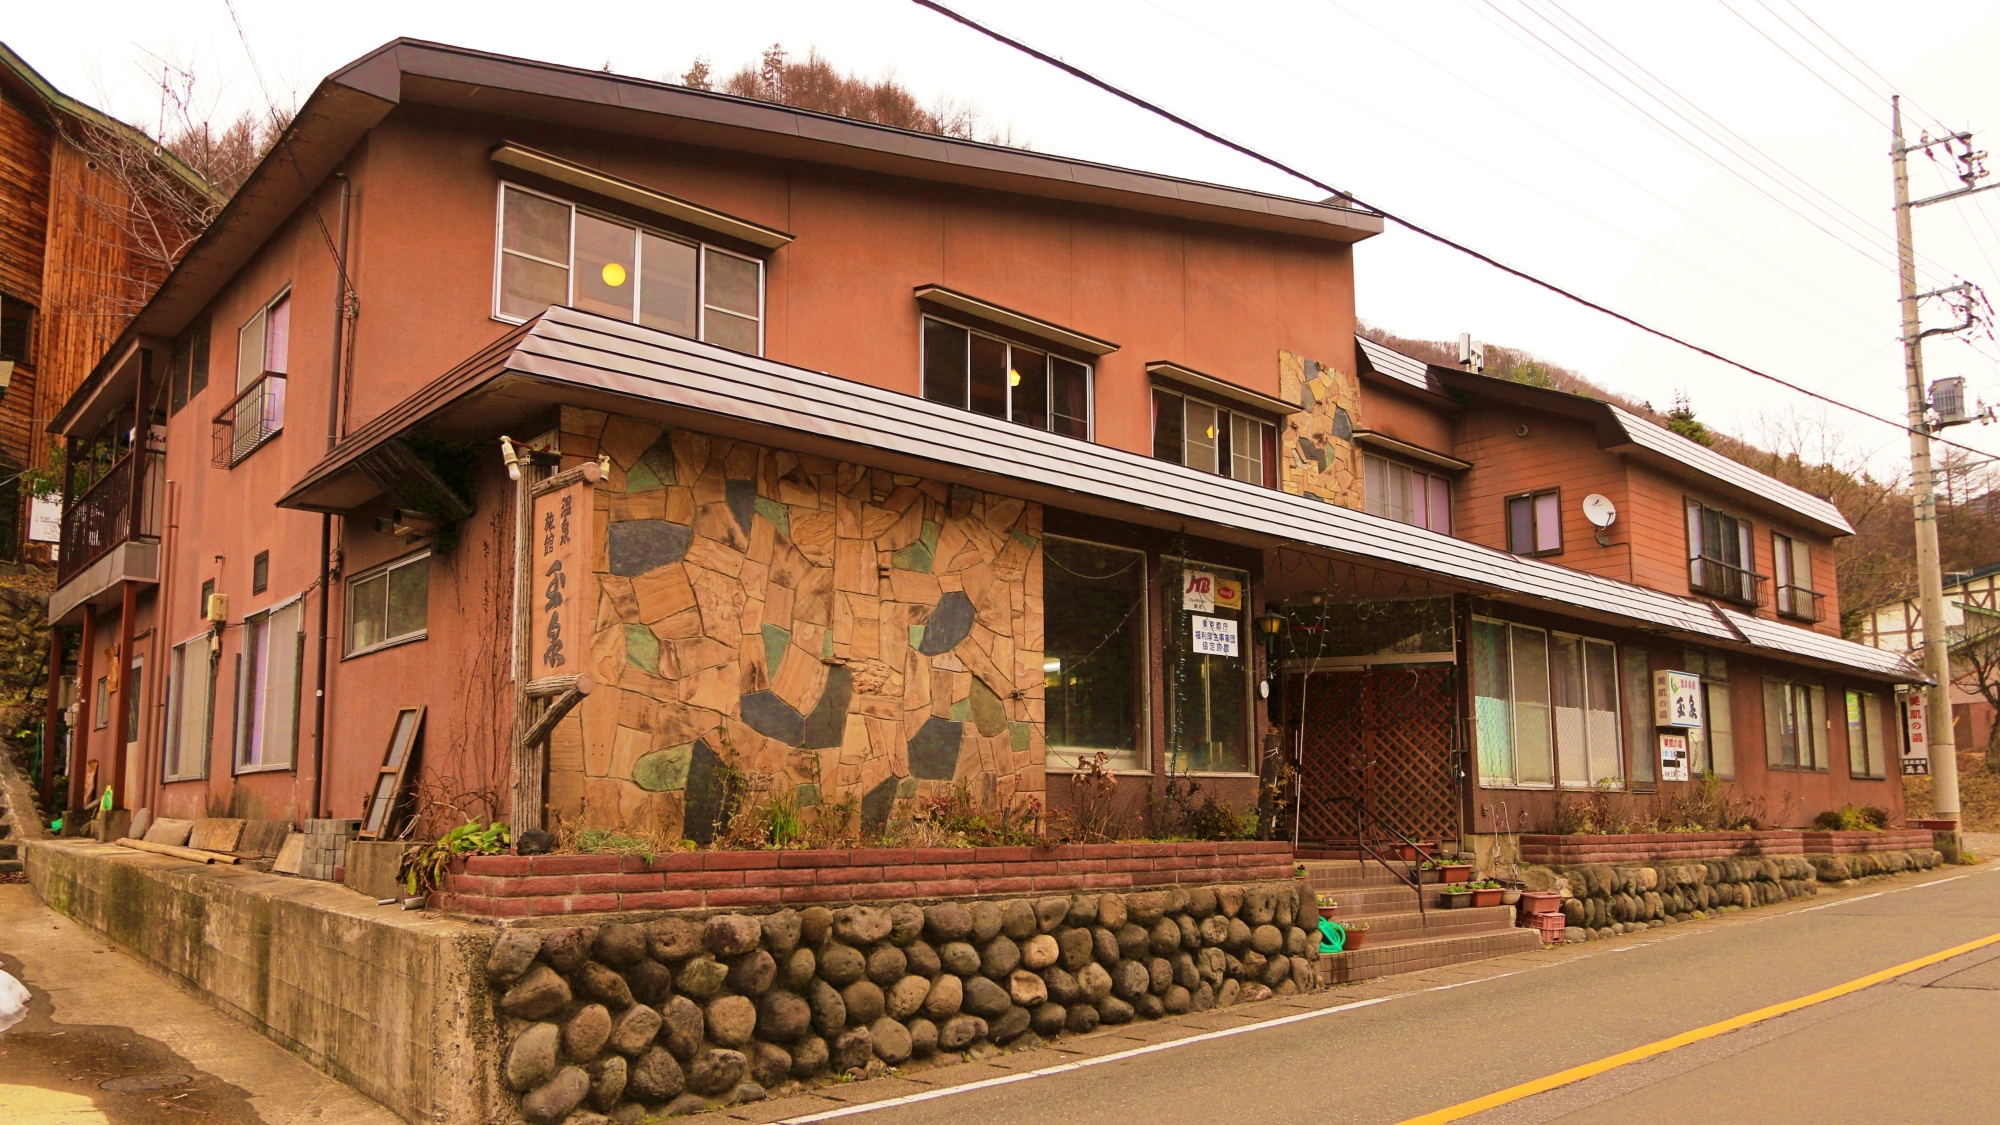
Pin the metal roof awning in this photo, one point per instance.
(571, 357)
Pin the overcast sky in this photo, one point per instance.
(1542, 132)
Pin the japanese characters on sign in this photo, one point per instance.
(1198, 591)
(1214, 636)
(559, 581)
(1673, 757)
(1916, 740)
(1677, 700)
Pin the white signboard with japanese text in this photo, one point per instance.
(1677, 700)
(1197, 591)
(1673, 757)
(1916, 742)
(1214, 636)
(45, 520)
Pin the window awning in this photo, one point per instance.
(1211, 387)
(954, 301)
(638, 195)
(566, 356)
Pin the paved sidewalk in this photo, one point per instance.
(99, 1016)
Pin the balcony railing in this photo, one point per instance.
(123, 505)
(1800, 604)
(252, 418)
(1719, 579)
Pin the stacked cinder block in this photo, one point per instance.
(326, 847)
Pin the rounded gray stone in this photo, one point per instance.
(851, 1050)
(809, 1057)
(532, 1057)
(732, 1020)
(1186, 973)
(601, 982)
(607, 1082)
(634, 1029)
(673, 939)
(732, 935)
(1177, 1000)
(753, 973)
(1164, 937)
(999, 957)
(1110, 911)
(890, 1040)
(906, 923)
(1204, 997)
(1133, 940)
(651, 981)
(587, 1031)
(946, 996)
(1130, 980)
(905, 998)
(960, 1032)
(1159, 975)
(1148, 1007)
(1112, 1010)
(1145, 907)
(1061, 985)
(1094, 982)
(1230, 992)
(568, 948)
(781, 931)
(986, 921)
(1190, 931)
(1267, 939)
(512, 954)
(1018, 920)
(716, 1071)
(655, 1077)
(1214, 930)
(947, 921)
(829, 1010)
(923, 1038)
(864, 1000)
(770, 1064)
(861, 926)
(1081, 1019)
(815, 922)
(842, 965)
(1082, 911)
(923, 960)
(1104, 947)
(782, 1017)
(798, 969)
(985, 998)
(1039, 952)
(551, 1102)
(620, 945)
(1238, 937)
(539, 992)
(684, 1027)
(959, 957)
(1050, 912)
(1027, 989)
(701, 976)
(1075, 948)
(886, 964)
(1009, 1026)
(1201, 902)
(1048, 1019)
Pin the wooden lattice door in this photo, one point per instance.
(1382, 736)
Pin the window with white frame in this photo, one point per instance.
(1867, 751)
(1214, 439)
(263, 346)
(1791, 566)
(1712, 746)
(267, 687)
(190, 703)
(987, 375)
(1534, 523)
(388, 604)
(1641, 739)
(1511, 704)
(1406, 494)
(1721, 560)
(1583, 687)
(552, 252)
(1794, 725)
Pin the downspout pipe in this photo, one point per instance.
(340, 304)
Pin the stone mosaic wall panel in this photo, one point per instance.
(819, 628)
(1316, 454)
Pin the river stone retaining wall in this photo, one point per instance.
(1865, 864)
(632, 1019)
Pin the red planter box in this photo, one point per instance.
(1487, 897)
(1539, 902)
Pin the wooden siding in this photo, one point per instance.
(24, 190)
(1556, 453)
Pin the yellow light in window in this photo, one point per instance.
(1211, 431)
(614, 274)
(1013, 377)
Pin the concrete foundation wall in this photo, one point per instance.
(380, 999)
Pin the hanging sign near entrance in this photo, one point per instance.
(1677, 700)
(560, 607)
(1673, 757)
(1214, 636)
(1916, 741)
(1197, 591)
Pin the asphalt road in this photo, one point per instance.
(1924, 1047)
(98, 1016)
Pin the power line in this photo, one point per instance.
(1872, 115)
(1350, 198)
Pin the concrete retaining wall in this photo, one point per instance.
(388, 1002)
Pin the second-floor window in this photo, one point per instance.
(1214, 439)
(1001, 379)
(555, 253)
(1534, 523)
(1406, 494)
(1791, 565)
(17, 331)
(258, 411)
(190, 367)
(1720, 555)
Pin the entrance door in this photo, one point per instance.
(1381, 737)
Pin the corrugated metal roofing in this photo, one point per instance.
(1701, 458)
(1395, 364)
(1765, 633)
(581, 349)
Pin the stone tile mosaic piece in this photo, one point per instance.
(637, 546)
(1316, 455)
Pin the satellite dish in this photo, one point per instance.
(1599, 510)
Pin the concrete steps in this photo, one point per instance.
(1401, 937)
(10, 842)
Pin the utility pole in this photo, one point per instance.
(1930, 577)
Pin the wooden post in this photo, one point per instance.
(540, 703)
(529, 795)
(121, 716)
(52, 721)
(80, 743)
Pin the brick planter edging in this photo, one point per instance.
(509, 886)
(1647, 847)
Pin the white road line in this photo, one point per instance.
(1856, 898)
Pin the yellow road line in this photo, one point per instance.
(1662, 1046)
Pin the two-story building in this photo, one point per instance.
(1972, 613)
(842, 463)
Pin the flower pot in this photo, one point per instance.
(1429, 875)
(1540, 902)
(1457, 872)
(1455, 901)
(1509, 895)
(1355, 940)
(1489, 896)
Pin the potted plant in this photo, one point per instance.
(1328, 904)
(1357, 933)
(1540, 902)
(1411, 853)
(1486, 892)
(1454, 896)
(1456, 870)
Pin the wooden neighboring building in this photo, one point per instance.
(74, 267)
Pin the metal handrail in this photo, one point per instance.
(1788, 603)
(1365, 820)
(1724, 580)
(246, 422)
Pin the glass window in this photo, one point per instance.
(1214, 439)
(250, 349)
(1093, 653)
(189, 705)
(990, 376)
(1409, 495)
(1202, 432)
(138, 689)
(1866, 747)
(1534, 523)
(267, 718)
(388, 604)
(1512, 705)
(1169, 418)
(623, 271)
(17, 335)
(1208, 712)
(1644, 743)
(262, 345)
(1794, 725)
(190, 367)
(1791, 565)
(1720, 557)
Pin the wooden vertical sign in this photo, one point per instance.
(556, 609)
